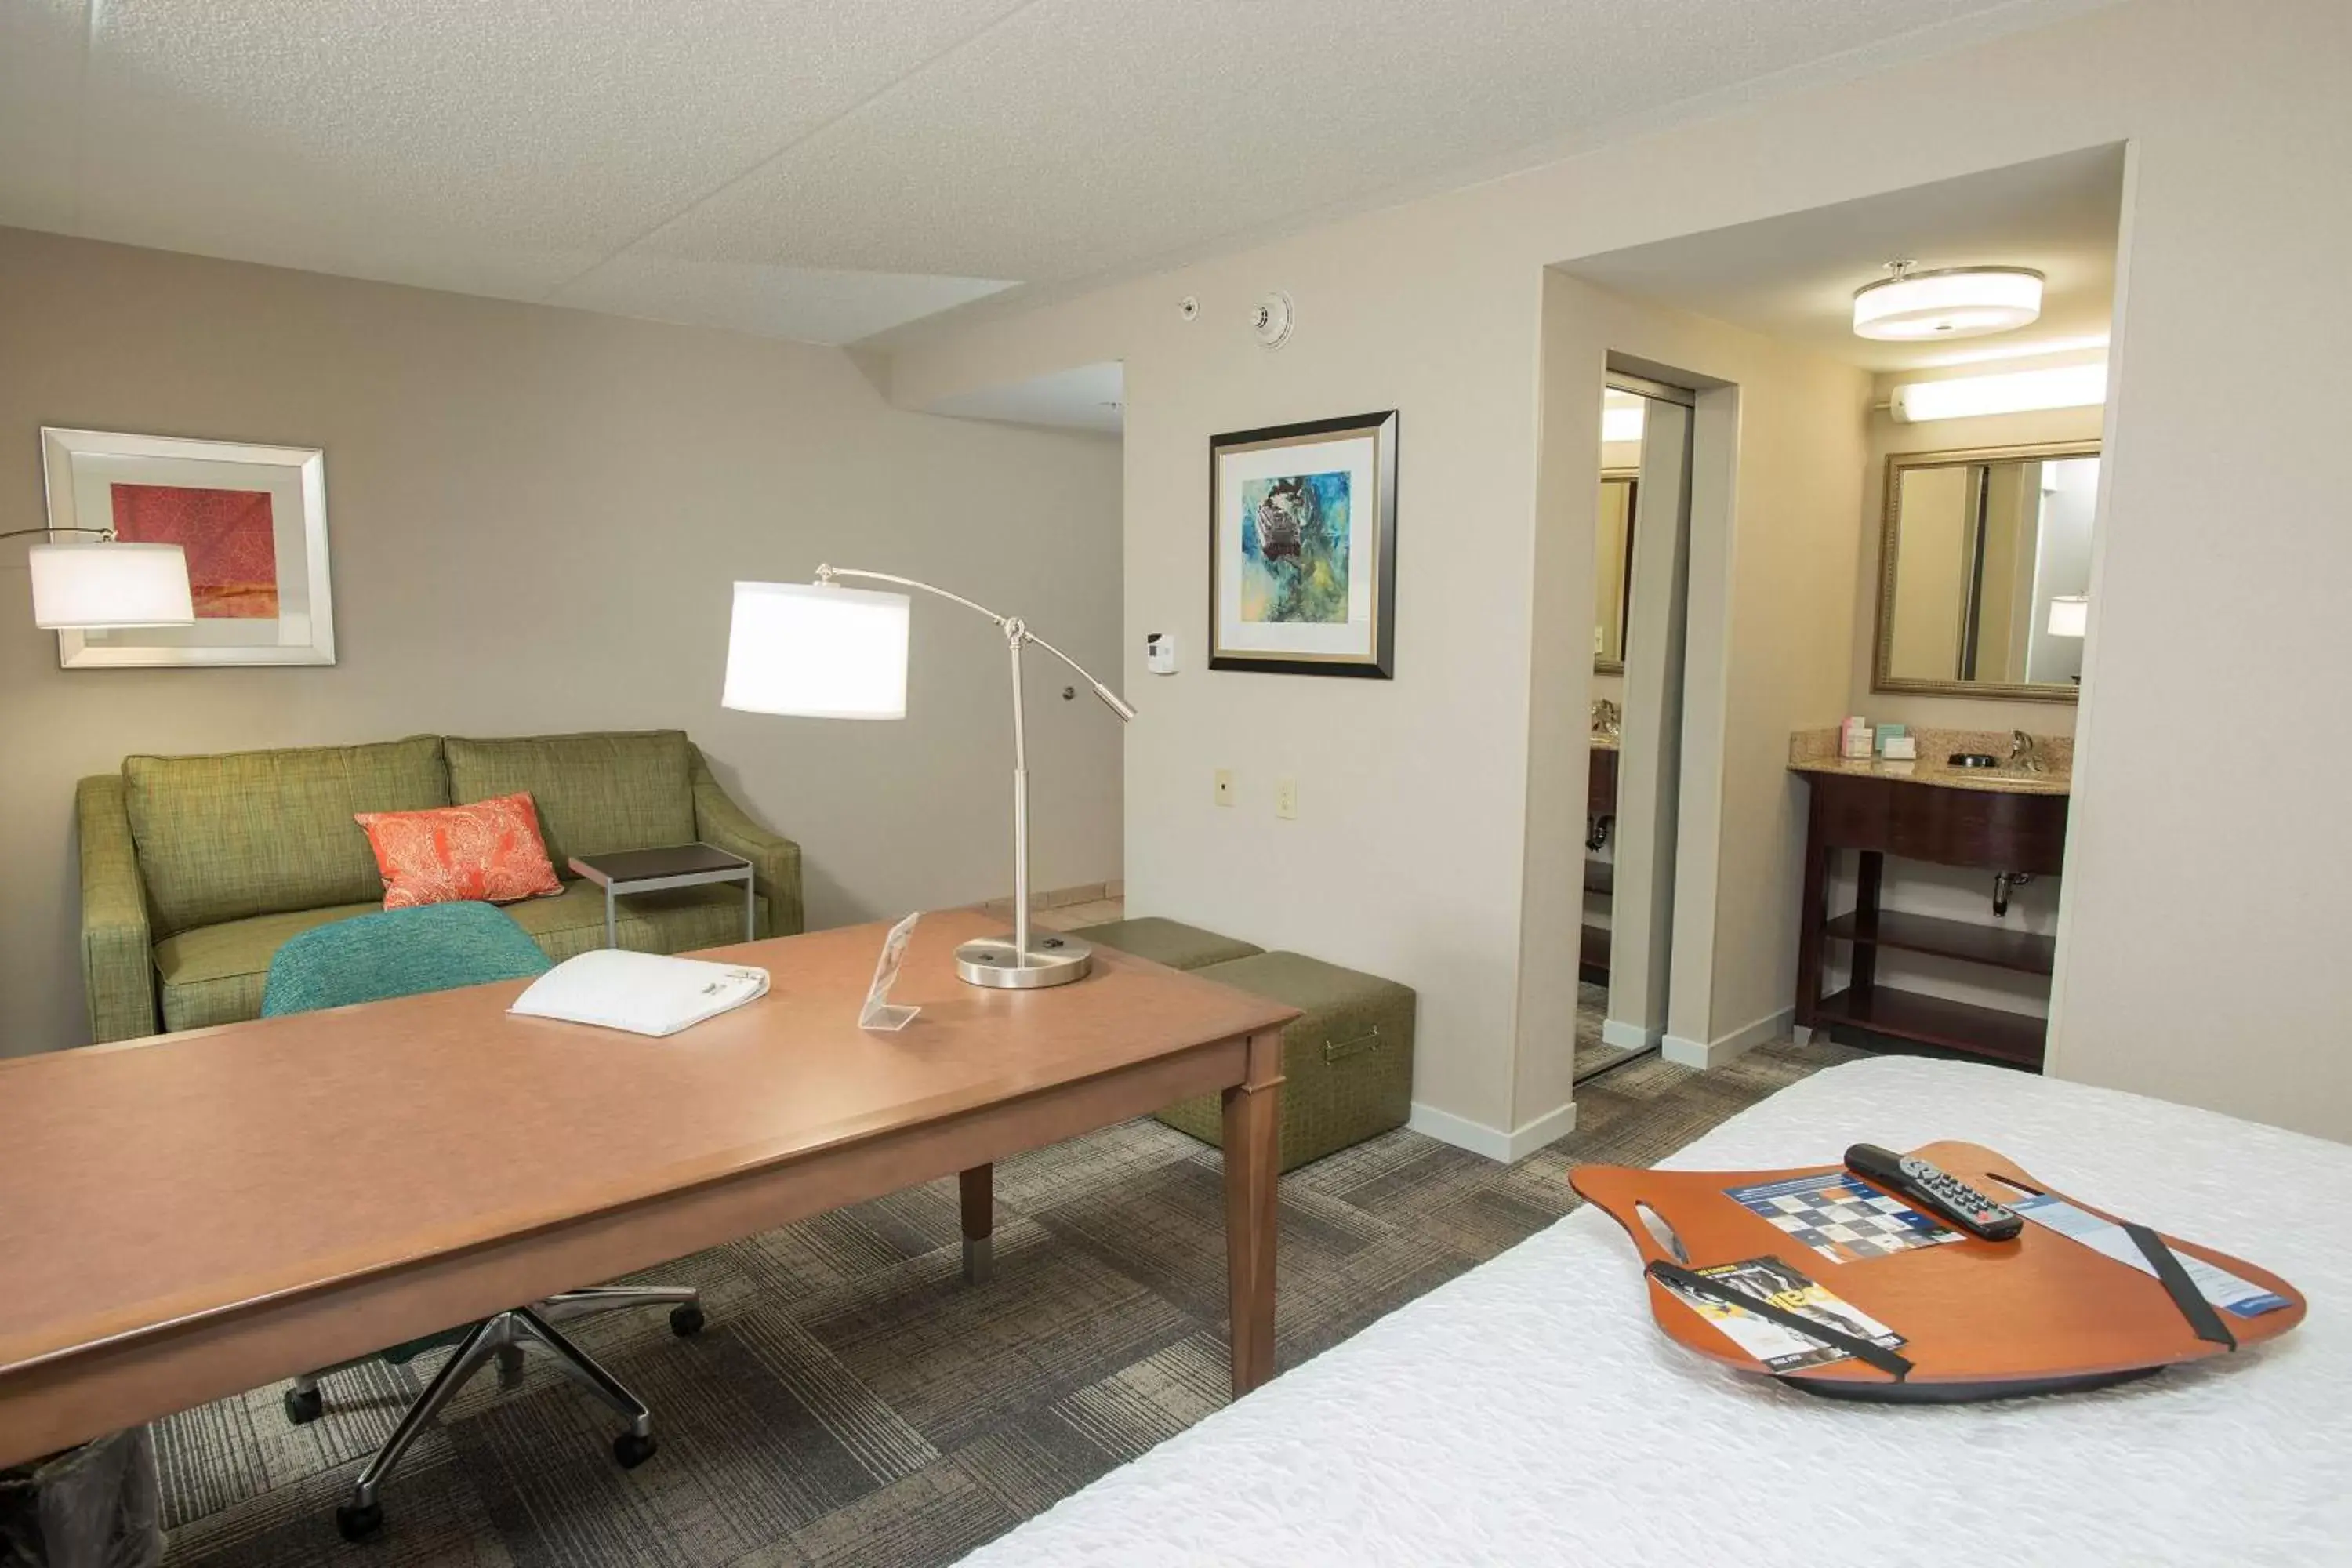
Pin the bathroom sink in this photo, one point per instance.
(1998, 778)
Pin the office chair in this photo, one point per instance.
(439, 947)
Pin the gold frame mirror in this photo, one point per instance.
(1969, 474)
(1612, 600)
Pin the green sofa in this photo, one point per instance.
(194, 870)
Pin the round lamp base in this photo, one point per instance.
(1053, 960)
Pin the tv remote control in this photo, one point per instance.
(1936, 1190)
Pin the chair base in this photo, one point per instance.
(503, 1339)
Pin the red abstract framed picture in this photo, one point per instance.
(251, 519)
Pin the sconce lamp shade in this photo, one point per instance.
(2070, 615)
(815, 651)
(91, 587)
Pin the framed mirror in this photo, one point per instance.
(1984, 571)
(1613, 574)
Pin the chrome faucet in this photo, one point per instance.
(2025, 754)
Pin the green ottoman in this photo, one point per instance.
(1172, 942)
(1347, 1064)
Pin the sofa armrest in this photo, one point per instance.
(775, 859)
(117, 960)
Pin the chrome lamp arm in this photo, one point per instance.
(105, 535)
(1026, 966)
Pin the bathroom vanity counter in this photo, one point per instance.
(2003, 779)
(2005, 823)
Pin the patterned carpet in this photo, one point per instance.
(853, 1403)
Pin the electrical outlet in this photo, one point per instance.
(1286, 798)
(1224, 786)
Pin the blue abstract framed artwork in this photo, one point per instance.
(1302, 548)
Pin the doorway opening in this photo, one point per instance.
(1641, 608)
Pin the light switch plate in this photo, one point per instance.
(1224, 786)
(1286, 798)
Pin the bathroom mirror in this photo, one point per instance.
(1613, 574)
(1984, 571)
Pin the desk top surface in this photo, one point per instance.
(148, 1182)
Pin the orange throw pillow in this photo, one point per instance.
(490, 850)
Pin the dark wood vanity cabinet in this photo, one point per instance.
(1600, 876)
(1992, 830)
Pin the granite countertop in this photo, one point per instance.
(1815, 751)
(1604, 743)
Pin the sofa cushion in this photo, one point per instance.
(1172, 942)
(595, 794)
(256, 833)
(215, 974)
(679, 921)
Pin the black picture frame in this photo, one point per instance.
(1378, 662)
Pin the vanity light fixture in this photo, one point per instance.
(1910, 306)
(2070, 615)
(2010, 392)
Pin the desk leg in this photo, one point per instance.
(977, 1190)
(612, 925)
(751, 909)
(1253, 1208)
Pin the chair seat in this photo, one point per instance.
(215, 974)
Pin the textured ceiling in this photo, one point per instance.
(820, 169)
(1793, 276)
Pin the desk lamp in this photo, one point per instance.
(823, 651)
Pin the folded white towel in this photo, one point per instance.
(643, 992)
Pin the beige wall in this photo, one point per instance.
(2196, 962)
(1888, 439)
(535, 516)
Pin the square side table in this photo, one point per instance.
(676, 866)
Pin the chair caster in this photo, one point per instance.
(304, 1405)
(358, 1523)
(632, 1450)
(686, 1321)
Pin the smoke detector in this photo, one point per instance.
(1271, 320)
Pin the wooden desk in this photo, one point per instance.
(192, 1215)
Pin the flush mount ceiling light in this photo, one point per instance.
(1910, 306)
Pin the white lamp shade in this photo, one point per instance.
(2070, 615)
(1956, 302)
(91, 587)
(817, 652)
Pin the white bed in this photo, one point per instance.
(1529, 1412)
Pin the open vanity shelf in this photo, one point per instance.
(1935, 816)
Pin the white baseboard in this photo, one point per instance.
(1629, 1036)
(1716, 1052)
(1507, 1148)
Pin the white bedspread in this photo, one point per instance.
(1529, 1412)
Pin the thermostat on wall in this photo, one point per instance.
(1159, 652)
